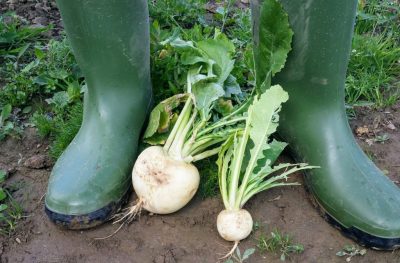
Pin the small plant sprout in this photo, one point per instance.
(350, 251)
(239, 258)
(279, 242)
(245, 165)
(10, 210)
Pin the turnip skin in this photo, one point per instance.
(163, 183)
(234, 225)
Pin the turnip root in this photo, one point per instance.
(234, 225)
(164, 185)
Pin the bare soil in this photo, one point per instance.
(189, 235)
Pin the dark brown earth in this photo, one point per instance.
(189, 235)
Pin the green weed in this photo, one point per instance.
(373, 72)
(279, 242)
(16, 35)
(239, 257)
(60, 127)
(378, 17)
(45, 70)
(7, 125)
(349, 251)
(10, 210)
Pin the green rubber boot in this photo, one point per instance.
(111, 44)
(350, 189)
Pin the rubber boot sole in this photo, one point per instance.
(354, 233)
(90, 220)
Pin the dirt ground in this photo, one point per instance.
(189, 235)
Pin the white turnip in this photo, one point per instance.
(163, 184)
(163, 177)
(245, 165)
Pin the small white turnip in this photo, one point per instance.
(234, 225)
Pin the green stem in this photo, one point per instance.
(179, 125)
(237, 161)
(187, 148)
(205, 154)
(181, 136)
(204, 145)
(226, 155)
(221, 123)
(255, 191)
(238, 110)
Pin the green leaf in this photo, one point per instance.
(270, 154)
(59, 99)
(272, 37)
(3, 206)
(341, 253)
(27, 109)
(178, 43)
(238, 252)
(30, 66)
(5, 113)
(41, 80)
(39, 53)
(261, 118)
(3, 176)
(22, 50)
(248, 253)
(231, 86)
(162, 119)
(74, 91)
(221, 50)
(192, 58)
(223, 106)
(58, 74)
(3, 194)
(205, 94)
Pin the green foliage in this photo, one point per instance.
(279, 242)
(209, 177)
(240, 176)
(16, 35)
(190, 132)
(373, 70)
(378, 17)
(373, 73)
(42, 71)
(10, 210)
(183, 13)
(272, 40)
(195, 23)
(46, 75)
(61, 126)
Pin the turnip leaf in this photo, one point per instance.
(162, 119)
(272, 37)
(262, 122)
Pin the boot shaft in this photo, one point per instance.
(316, 67)
(110, 40)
